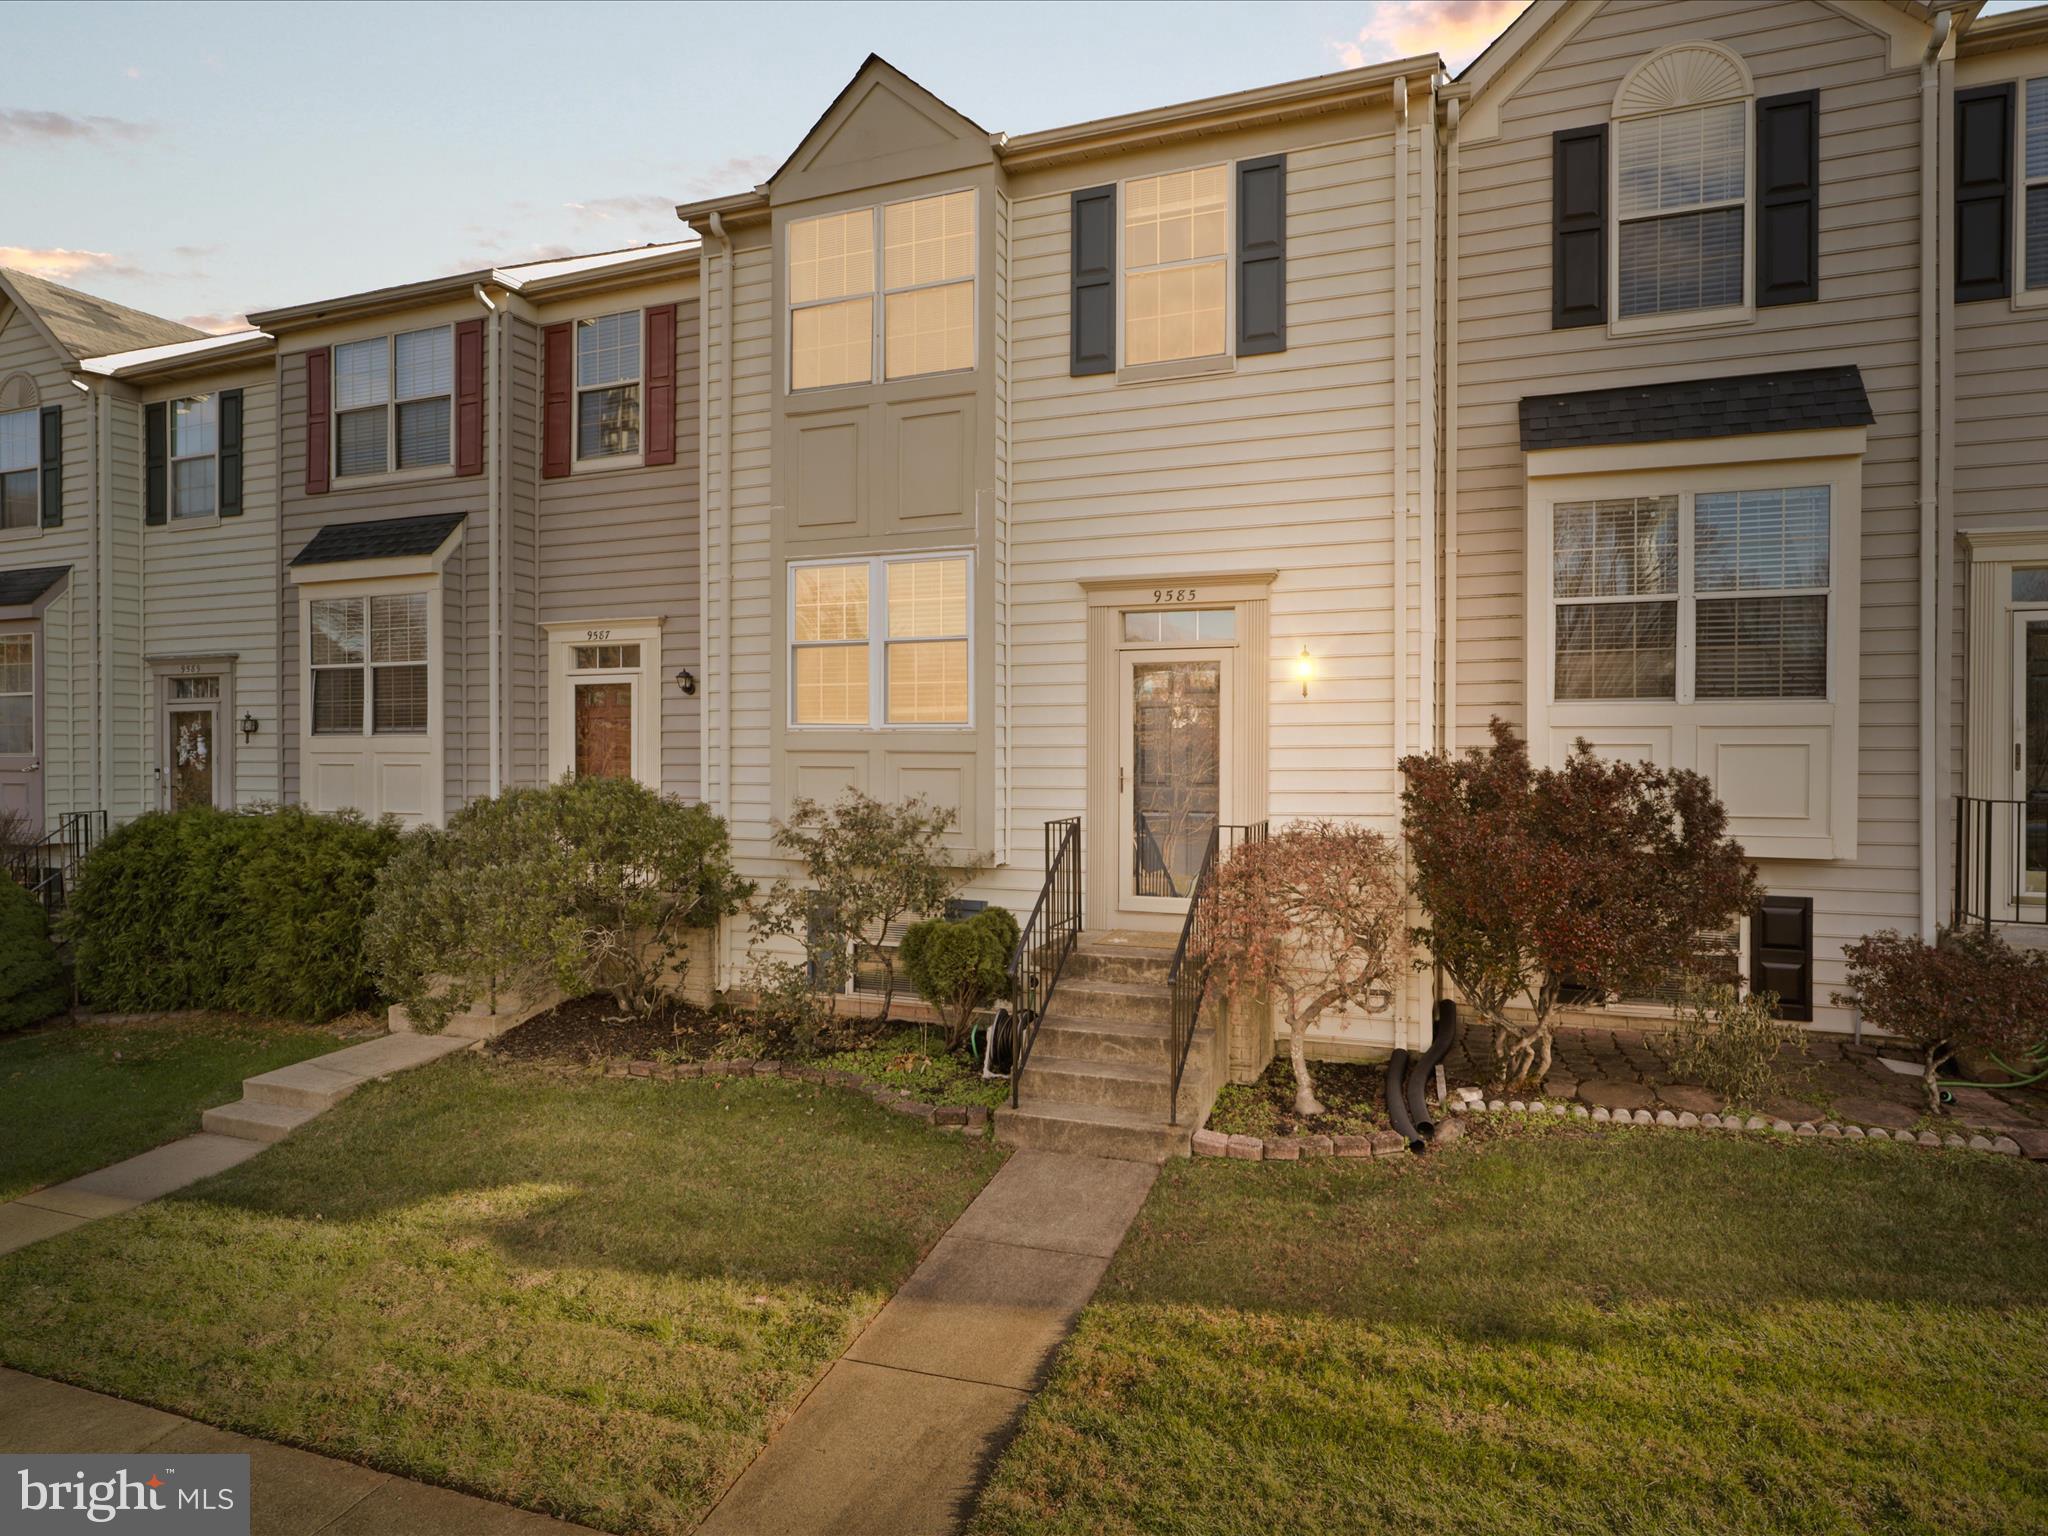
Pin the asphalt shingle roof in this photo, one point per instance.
(86, 326)
(20, 588)
(384, 539)
(1795, 401)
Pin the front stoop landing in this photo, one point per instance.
(1098, 1078)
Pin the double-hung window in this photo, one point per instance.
(1681, 201)
(2034, 168)
(1742, 576)
(883, 641)
(393, 401)
(17, 694)
(608, 385)
(20, 464)
(918, 256)
(1176, 258)
(369, 665)
(195, 463)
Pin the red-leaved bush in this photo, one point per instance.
(1599, 875)
(1969, 990)
(1315, 917)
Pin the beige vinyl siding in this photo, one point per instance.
(465, 590)
(526, 677)
(121, 552)
(71, 705)
(624, 544)
(1867, 315)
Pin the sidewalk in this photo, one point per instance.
(899, 1434)
(291, 1492)
(277, 1103)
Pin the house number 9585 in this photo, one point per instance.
(1173, 594)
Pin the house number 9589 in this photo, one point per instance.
(1173, 594)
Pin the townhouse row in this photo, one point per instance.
(1672, 378)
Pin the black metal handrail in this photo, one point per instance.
(1047, 939)
(1188, 979)
(48, 867)
(1993, 859)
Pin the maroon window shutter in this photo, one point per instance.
(319, 453)
(469, 398)
(661, 384)
(557, 399)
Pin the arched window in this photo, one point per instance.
(1682, 184)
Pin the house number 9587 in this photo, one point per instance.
(1173, 594)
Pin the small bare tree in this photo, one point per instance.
(1315, 916)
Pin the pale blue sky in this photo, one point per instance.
(202, 160)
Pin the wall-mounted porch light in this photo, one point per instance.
(248, 727)
(687, 681)
(1304, 668)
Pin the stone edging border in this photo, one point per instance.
(2004, 1146)
(1287, 1149)
(946, 1117)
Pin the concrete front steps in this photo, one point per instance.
(1099, 1075)
(274, 1104)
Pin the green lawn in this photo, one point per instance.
(590, 1296)
(75, 1097)
(1638, 1332)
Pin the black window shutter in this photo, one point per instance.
(156, 461)
(1788, 199)
(1094, 281)
(231, 453)
(53, 466)
(1984, 192)
(1578, 247)
(1262, 255)
(1781, 954)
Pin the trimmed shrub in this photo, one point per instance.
(589, 885)
(960, 966)
(33, 985)
(258, 913)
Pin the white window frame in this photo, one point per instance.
(1619, 122)
(34, 735)
(563, 675)
(877, 640)
(35, 523)
(391, 403)
(1688, 732)
(2025, 185)
(878, 296)
(172, 459)
(577, 458)
(1174, 367)
(368, 666)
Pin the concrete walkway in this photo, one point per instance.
(275, 1104)
(291, 1492)
(898, 1435)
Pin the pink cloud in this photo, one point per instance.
(1400, 29)
(215, 325)
(61, 265)
(28, 124)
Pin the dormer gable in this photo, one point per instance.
(882, 127)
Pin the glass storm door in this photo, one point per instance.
(192, 743)
(1172, 782)
(604, 727)
(21, 732)
(2030, 747)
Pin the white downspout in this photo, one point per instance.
(95, 402)
(1449, 609)
(1930, 532)
(722, 678)
(495, 445)
(1400, 465)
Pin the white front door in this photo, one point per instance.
(21, 733)
(1173, 776)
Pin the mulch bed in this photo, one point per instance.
(1351, 1093)
(588, 1030)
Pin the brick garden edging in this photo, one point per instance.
(1289, 1149)
(945, 1117)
